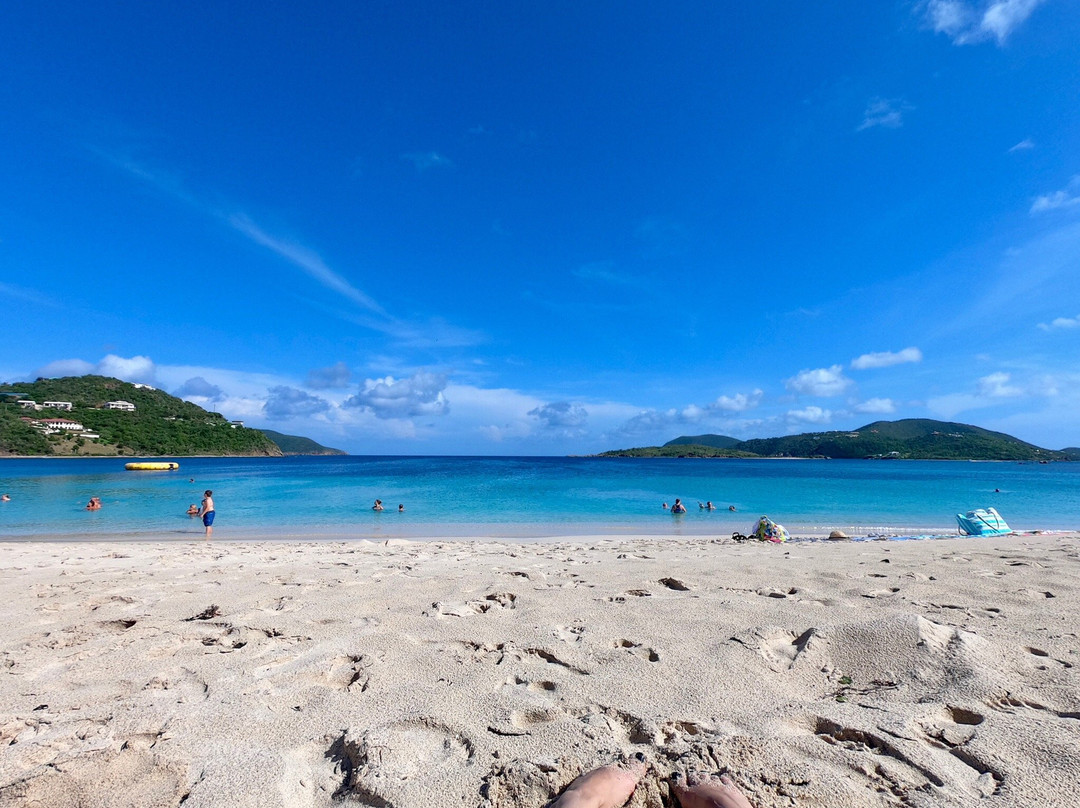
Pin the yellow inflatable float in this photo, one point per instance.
(151, 466)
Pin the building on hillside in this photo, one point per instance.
(138, 386)
(26, 404)
(235, 424)
(58, 405)
(126, 406)
(62, 423)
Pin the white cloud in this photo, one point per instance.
(829, 381)
(967, 22)
(740, 402)
(884, 359)
(1061, 323)
(876, 406)
(811, 415)
(1065, 198)
(560, 414)
(198, 387)
(289, 402)
(422, 394)
(135, 369)
(336, 376)
(139, 369)
(996, 385)
(885, 112)
(65, 367)
(1024, 145)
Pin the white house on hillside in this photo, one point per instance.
(126, 406)
(62, 423)
(58, 405)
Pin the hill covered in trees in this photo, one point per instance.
(160, 424)
(297, 445)
(910, 438)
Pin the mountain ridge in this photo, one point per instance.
(908, 438)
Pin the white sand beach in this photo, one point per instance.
(921, 673)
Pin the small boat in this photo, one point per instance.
(145, 466)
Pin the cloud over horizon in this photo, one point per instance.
(421, 394)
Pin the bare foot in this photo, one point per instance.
(607, 787)
(709, 792)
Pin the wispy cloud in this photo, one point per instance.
(1065, 198)
(604, 272)
(427, 160)
(884, 359)
(968, 23)
(1027, 144)
(884, 112)
(307, 260)
(1061, 323)
(25, 295)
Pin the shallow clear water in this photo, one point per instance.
(526, 497)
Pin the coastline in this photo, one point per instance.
(490, 673)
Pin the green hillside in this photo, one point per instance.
(910, 438)
(160, 425)
(297, 445)
(716, 441)
(677, 450)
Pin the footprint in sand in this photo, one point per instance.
(675, 584)
(381, 766)
(495, 601)
(780, 649)
(637, 649)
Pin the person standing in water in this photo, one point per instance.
(206, 511)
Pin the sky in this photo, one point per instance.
(481, 228)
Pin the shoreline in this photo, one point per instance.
(490, 673)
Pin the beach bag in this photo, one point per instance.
(767, 530)
(982, 522)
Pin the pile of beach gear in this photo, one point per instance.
(982, 522)
(765, 529)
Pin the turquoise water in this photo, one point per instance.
(525, 497)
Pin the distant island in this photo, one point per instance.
(907, 439)
(102, 416)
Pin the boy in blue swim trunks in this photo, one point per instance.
(206, 511)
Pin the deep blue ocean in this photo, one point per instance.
(526, 497)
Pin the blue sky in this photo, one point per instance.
(550, 228)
